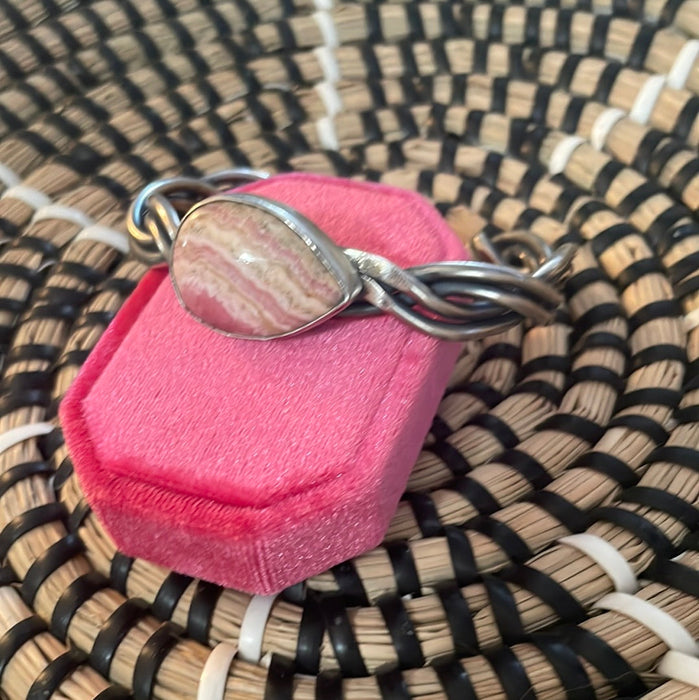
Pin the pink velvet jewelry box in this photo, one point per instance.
(256, 464)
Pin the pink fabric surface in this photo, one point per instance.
(257, 464)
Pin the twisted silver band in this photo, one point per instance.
(450, 300)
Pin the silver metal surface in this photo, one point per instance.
(453, 300)
(154, 216)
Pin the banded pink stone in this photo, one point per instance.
(243, 271)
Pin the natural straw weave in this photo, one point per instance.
(590, 424)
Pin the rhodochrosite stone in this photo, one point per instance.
(257, 464)
(243, 271)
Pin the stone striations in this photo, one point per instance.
(244, 272)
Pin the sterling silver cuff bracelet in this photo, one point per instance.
(254, 268)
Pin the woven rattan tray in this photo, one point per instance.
(589, 425)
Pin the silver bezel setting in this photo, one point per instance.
(326, 251)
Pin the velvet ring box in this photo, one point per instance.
(257, 464)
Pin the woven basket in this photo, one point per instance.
(588, 425)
